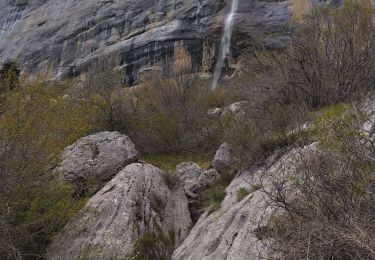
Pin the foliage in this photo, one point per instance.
(103, 81)
(9, 80)
(211, 198)
(333, 203)
(9, 77)
(35, 126)
(263, 129)
(168, 112)
(242, 193)
(330, 58)
(152, 246)
(168, 161)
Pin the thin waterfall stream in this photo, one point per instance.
(225, 42)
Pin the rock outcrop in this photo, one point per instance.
(223, 158)
(194, 178)
(232, 231)
(62, 37)
(97, 157)
(137, 200)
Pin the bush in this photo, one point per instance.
(242, 193)
(331, 214)
(330, 58)
(263, 129)
(34, 128)
(9, 80)
(152, 246)
(9, 77)
(211, 198)
(168, 161)
(104, 82)
(168, 112)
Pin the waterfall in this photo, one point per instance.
(225, 42)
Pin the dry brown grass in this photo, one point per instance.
(299, 8)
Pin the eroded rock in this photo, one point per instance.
(194, 178)
(232, 232)
(223, 158)
(137, 200)
(98, 157)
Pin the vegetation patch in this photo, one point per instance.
(152, 246)
(242, 193)
(211, 198)
(168, 161)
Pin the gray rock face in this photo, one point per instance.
(237, 109)
(369, 126)
(194, 178)
(98, 157)
(62, 37)
(215, 112)
(135, 201)
(231, 231)
(223, 158)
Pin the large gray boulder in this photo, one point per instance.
(232, 232)
(137, 200)
(97, 157)
(223, 158)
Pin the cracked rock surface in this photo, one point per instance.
(98, 156)
(231, 231)
(223, 159)
(61, 38)
(194, 178)
(135, 201)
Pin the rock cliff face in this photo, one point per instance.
(61, 37)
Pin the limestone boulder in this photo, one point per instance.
(138, 200)
(223, 158)
(99, 157)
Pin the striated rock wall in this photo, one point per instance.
(61, 37)
(137, 200)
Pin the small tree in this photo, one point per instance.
(327, 208)
(9, 77)
(9, 80)
(173, 107)
(35, 126)
(104, 81)
(331, 56)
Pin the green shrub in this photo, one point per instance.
(168, 112)
(255, 135)
(211, 198)
(34, 128)
(333, 194)
(168, 161)
(242, 193)
(330, 58)
(152, 246)
(9, 77)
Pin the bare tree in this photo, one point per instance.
(330, 58)
(328, 206)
